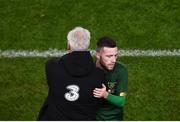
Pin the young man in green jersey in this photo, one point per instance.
(114, 93)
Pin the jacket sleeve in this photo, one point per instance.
(47, 72)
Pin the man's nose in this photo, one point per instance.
(113, 60)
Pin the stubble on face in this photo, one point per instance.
(107, 58)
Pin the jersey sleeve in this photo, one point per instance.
(116, 100)
(121, 76)
(123, 80)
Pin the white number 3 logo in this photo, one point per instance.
(73, 94)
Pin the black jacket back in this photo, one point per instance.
(71, 80)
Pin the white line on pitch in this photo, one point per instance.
(56, 53)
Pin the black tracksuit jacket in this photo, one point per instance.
(71, 81)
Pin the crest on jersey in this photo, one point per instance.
(111, 86)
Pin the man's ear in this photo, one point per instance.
(97, 55)
(68, 47)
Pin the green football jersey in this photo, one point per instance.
(117, 82)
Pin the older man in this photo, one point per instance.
(71, 80)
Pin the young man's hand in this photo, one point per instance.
(100, 92)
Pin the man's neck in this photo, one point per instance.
(99, 65)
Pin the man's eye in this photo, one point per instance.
(109, 56)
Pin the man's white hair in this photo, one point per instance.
(78, 39)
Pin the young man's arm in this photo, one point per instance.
(114, 99)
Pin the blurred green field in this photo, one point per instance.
(43, 24)
(154, 89)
